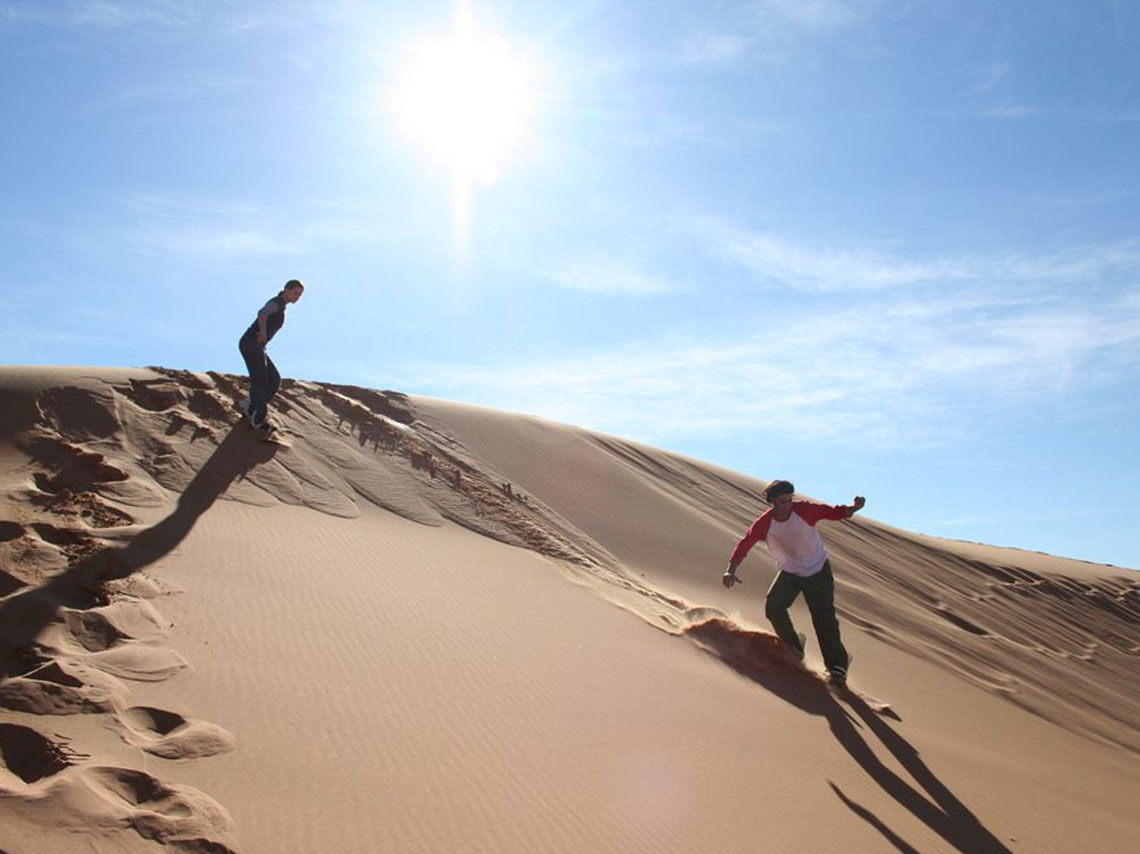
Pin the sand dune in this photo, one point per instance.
(424, 626)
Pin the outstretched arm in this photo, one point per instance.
(855, 506)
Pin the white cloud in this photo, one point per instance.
(825, 267)
(100, 13)
(782, 28)
(811, 14)
(235, 17)
(204, 227)
(822, 268)
(708, 48)
(768, 30)
(207, 228)
(610, 279)
(1011, 110)
(215, 243)
(175, 89)
(894, 371)
(992, 92)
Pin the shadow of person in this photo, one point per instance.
(756, 656)
(24, 615)
(939, 808)
(931, 801)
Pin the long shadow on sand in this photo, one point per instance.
(930, 801)
(24, 615)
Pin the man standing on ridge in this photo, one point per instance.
(789, 534)
(264, 379)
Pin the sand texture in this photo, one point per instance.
(420, 626)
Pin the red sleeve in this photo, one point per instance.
(757, 532)
(811, 512)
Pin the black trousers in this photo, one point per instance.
(819, 592)
(264, 380)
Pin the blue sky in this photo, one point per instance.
(878, 247)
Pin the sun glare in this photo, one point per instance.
(465, 97)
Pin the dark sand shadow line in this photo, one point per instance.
(24, 615)
(755, 656)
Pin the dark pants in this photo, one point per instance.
(263, 377)
(819, 591)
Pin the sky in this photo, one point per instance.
(875, 247)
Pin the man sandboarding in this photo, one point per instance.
(788, 531)
(264, 380)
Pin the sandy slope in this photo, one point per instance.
(400, 634)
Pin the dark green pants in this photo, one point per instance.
(819, 592)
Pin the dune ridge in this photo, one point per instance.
(108, 477)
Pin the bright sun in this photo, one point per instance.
(466, 98)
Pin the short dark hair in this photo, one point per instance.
(777, 488)
(293, 283)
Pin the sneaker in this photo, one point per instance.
(255, 422)
(243, 405)
(266, 431)
(799, 653)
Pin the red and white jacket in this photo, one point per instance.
(794, 543)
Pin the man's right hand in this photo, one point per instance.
(729, 579)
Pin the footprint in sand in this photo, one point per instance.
(138, 662)
(103, 627)
(48, 687)
(170, 814)
(78, 664)
(76, 469)
(153, 395)
(37, 779)
(31, 756)
(172, 736)
(27, 558)
(117, 639)
(949, 615)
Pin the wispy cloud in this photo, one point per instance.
(712, 48)
(217, 243)
(782, 28)
(1012, 110)
(990, 78)
(825, 267)
(208, 229)
(100, 14)
(225, 18)
(175, 89)
(991, 92)
(899, 368)
(772, 30)
(204, 227)
(612, 279)
(813, 15)
(818, 267)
